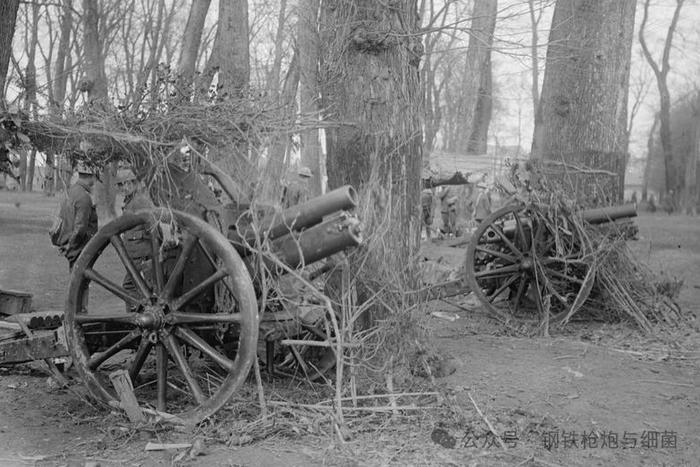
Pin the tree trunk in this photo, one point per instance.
(650, 152)
(230, 55)
(370, 86)
(96, 86)
(60, 82)
(477, 77)
(191, 40)
(672, 181)
(308, 53)
(582, 115)
(273, 77)
(30, 88)
(8, 17)
(96, 79)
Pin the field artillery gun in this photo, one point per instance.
(527, 258)
(187, 332)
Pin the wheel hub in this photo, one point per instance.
(152, 317)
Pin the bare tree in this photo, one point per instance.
(308, 53)
(582, 114)
(370, 86)
(478, 78)
(8, 17)
(673, 182)
(191, 41)
(230, 55)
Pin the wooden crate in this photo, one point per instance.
(13, 302)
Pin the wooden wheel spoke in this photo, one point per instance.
(199, 288)
(191, 338)
(110, 286)
(499, 254)
(519, 228)
(156, 265)
(111, 318)
(176, 274)
(162, 376)
(213, 264)
(497, 272)
(99, 358)
(180, 360)
(179, 317)
(507, 283)
(524, 282)
(131, 268)
(139, 358)
(506, 240)
(560, 275)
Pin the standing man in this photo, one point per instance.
(426, 201)
(137, 240)
(296, 192)
(448, 210)
(78, 216)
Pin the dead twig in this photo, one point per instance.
(488, 423)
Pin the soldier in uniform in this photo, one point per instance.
(296, 191)
(78, 216)
(448, 210)
(426, 201)
(137, 240)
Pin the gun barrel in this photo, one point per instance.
(313, 244)
(609, 214)
(304, 215)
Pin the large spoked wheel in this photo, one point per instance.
(522, 261)
(180, 357)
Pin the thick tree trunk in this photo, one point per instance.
(96, 79)
(582, 115)
(230, 55)
(8, 17)
(477, 86)
(370, 86)
(191, 40)
(96, 86)
(308, 53)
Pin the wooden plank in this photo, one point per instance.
(122, 384)
(14, 301)
(42, 345)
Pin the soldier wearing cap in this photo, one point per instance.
(137, 240)
(448, 210)
(78, 216)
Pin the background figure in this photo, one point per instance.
(448, 210)
(138, 239)
(426, 201)
(296, 191)
(78, 217)
(482, 204)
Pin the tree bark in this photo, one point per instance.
(230, 55)
(308, 53)
(191, 40)
(96, 86)
(649, 161)
(8, 17)
(582, 114)
(96, 78)
(371, 88)
(477, 87)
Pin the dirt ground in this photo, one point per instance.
(597, 394)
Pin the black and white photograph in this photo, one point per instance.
(349, 233)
